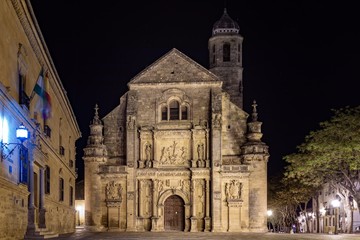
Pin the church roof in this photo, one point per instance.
(225, 25)
(174, 67)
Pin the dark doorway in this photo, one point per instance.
(174, 214)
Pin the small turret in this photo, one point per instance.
(255, 148)
(255, 153)
(95, 149)
(95, 154)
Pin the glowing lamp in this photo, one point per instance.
(22, 133)
(335, 203)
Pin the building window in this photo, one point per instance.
(23, 97)
(184, 113)
(164, 113)
(61, 189)
(71, 163)
(47, 179)
(226, 52)
(213, 50)
(174, 110)
(62, 151)
(239, 55)
(71, 196)
(24, 164)
(47, 130)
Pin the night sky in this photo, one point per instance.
(301, 58)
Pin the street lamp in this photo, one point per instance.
(21, 134)
(336, 204)
(269, 213)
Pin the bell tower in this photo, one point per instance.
(225, 56)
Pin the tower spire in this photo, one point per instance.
(96, 119)
(254, 112)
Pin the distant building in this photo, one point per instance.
(330, 216)
(178, 152)
(37, 177)
(80, 204)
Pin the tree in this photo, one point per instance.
(330, 154)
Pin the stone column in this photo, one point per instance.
(207, 206)
(131, 158)
(207, 162)
(42, 212)
(140, 219)
(31, 207)
(154, 218)
(193, 218)
(216, 180)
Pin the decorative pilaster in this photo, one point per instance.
(42, 209)
(207, 218)
(193, 218)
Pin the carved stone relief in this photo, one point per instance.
(173, 154)
(113, 191)
(216, 120)
(130, 123)
(233, 190)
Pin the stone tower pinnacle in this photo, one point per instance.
(225, 56)
(95, 148)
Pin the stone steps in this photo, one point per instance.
(41, 233)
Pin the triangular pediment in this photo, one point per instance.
(174, 67)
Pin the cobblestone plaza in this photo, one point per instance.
(83, 234)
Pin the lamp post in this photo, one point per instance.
(269, 214)
(21, 134)
(336, 204)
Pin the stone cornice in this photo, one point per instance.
(31, 28)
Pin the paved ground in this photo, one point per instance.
(83, 234)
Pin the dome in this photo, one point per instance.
(225, 25)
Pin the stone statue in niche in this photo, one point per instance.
(131, 122)
(200, 151)
(113, 191)
(233, 190)
(216, 121)
(148, 150)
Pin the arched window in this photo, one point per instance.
(226, 52)
(174, 110)
(184, 113)
(164, 111)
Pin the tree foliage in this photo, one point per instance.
(331, 153)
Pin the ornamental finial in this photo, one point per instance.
(96, 117)
(254, 113)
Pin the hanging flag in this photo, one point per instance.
(44, 103)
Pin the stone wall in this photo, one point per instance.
(13, 210)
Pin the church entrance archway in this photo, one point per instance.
(174, 217)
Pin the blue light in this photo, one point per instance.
(22, 133)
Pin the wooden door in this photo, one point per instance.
(174, 216)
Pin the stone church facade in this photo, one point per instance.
(178, 152)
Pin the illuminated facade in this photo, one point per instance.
(37, 178)
(178, 152)
(330, 216)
